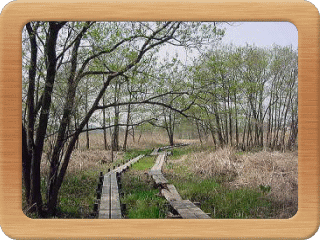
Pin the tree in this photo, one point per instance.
(249, 91)
(71, 52)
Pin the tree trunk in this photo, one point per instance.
(126, 133)
(199, 132)
(170, 135)
(28, 135)
(221, 140)
(50, 52)
(236, 119)
(26, 164)
(54, 186)
(230, 118)
(55, 178)
(115, 136)
(104, 126)
(86, 109)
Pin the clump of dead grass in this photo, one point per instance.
(140, 141)
(82, 160)
(212, 164)
(275, 169)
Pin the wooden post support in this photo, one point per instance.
(96, 206)
(99, 186)
(98, 194)
(101, 177)
(123, 208)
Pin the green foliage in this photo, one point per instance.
(144, 204)
(177, 152)
(265, 189)
(132, 153)
(140, 197)
(77, 195)
(145, 164)
(221, 202)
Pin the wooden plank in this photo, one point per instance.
(115, 208)
(105, 203)
(185, 208)
(103, 214)
(155, 152)
(104, 209)
(115, 214)
(188, 210)
(159, 162)
(110, 206)
(106, 178)
(171, 193)
(174, 191)
(159, 179)
(123, 167)
(182, 208)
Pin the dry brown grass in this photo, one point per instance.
(85, 160)
(276, 169)
(92, 158)
(143, 141)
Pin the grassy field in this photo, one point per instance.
(231, 184)
(227, 183)
(141, 198)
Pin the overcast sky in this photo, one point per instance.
(262, 34)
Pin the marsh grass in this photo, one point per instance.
(141, 140)
(141, 198)
(231, 184)
(227, 183)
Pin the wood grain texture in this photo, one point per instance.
(16, 14)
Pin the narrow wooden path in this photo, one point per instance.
(155, 171)
(110, 200)
(185, 208)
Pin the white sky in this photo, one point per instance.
(262, 34)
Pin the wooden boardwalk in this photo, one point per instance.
(155, 152)
(185, 208)
(110, 200)
(155, 171)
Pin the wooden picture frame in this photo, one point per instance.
(16, 14)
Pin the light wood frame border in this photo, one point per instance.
(16, 14)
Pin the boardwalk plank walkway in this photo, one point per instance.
(110, 200)
(185, 208)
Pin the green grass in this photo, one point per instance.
(140, 197)
(180, 151)
(216, 198)
(78, 192)
(144, 203)
(77, 195)
(132, 153)
(145, 163)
